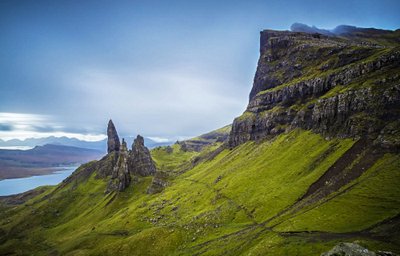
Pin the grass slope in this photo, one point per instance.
(230, 204)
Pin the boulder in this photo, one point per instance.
(353, 249)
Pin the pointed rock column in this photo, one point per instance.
(120, 178)
(140, 161)
(113, 139)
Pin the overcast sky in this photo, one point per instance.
(167, 69)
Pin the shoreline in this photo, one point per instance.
(9, 173)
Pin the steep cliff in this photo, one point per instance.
(347, 86)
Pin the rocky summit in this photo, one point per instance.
(312, 167)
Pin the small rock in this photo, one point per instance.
(353, 249)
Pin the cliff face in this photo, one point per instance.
(346, 86)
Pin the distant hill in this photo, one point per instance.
(97, 145)
(32, 142)
(42, 159)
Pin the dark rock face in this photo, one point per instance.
(120, 177)
(140, 161)
(113, 143)
(106, 165)
(334, 86)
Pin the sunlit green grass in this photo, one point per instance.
(218, 207)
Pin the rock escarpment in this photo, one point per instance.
(338, 86)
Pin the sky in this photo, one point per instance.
(162, 69)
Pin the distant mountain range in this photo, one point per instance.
(341, 30)
(65, 141)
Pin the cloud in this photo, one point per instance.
(6, 127)
(159, 139)
(23, 126)
(167, 102)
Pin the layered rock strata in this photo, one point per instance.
(335, 86)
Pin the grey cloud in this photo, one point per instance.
(6, 127)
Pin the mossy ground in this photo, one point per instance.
(221, 206)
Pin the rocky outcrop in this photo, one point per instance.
(113, 143)
(353, 249)
(160, 181)
(199, 143)
(354, 113)
(120, 177)
(334, 86)
(140, 161)
(121, 165)
(318, 86)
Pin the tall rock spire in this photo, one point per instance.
(113, 143)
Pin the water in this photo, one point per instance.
(16, 186)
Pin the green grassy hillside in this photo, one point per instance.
(245, 200)
(313, 161)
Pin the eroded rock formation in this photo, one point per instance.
(140, 161)
(120, 177)
(113, 143)
(121, 165)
